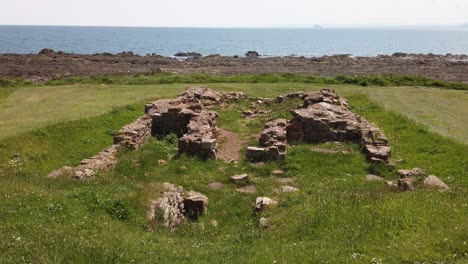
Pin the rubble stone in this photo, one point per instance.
(195, 204)
(264, 222)
(240, 178)
(168, 208)
(413, 172)
(406, 184)
(372, 177)
(261, 203)
(433, 181)
(288, 189)
(173, 206)
(103, 161)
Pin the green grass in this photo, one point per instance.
(167, 78)
(26, 108)
(336, 217)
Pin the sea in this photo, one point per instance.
(234, 41)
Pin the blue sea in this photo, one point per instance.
(231, 41)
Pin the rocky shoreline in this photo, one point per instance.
(49, 64)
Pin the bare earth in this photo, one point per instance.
(231, 145)
(40, 67)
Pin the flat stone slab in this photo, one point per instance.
(372, 177)
(277, 172)
(288, 189)
(240, 178)
(285, 180)
(216, 186)
(247, 189)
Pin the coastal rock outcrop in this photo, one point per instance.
(252, 54)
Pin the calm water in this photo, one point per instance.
(168, 41)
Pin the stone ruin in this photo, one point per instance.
(272, 142)
(186, 116)
(324, 116)
(173, 206)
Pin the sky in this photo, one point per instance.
(234, 13)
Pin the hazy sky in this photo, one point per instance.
(232, 13)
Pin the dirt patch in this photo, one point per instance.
(230, 146)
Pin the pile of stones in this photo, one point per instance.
(173, 206)
(410, 179)
(103, 161)
(186, 116)
(272, 142)
(324, 116)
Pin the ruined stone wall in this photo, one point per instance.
(135, 134)
(184, 116)
(272, 142)
(324, 116)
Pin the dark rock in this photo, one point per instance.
(187, 54)
(46, 52)
(195, 204)
(252, 54)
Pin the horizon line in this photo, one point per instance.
(305, 26)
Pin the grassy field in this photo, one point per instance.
(22, 109)
(336, 216)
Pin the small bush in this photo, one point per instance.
(117, 209)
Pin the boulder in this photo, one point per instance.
(252, 54)
(187, 54)
(261, 203)
(46, 51)
(434, 182)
